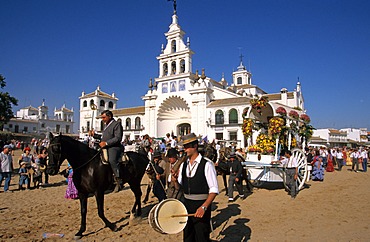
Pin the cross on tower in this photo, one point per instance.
(174, 5)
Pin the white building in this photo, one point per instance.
(343, 137)
(180, 101)
(31, 120)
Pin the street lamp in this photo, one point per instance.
(93, 108)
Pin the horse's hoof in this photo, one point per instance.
(113, 227)
(77, 237)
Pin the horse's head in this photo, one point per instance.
(55, 154)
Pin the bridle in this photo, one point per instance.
(59, 155)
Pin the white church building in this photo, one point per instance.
(180, 101)
(36, 121)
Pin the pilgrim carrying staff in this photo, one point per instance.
(198, 179)
(111, 140)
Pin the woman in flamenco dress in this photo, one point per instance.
(318, 169)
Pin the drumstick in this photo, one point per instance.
(182, 215)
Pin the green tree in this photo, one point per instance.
(6, 102)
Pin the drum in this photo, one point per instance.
(168, 217)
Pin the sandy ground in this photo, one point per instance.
(337, 209)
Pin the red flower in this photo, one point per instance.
(293, 114)
(281, 111)
(305, 118)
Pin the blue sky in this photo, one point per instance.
(54, 49)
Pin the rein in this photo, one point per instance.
(87, 162)
(84, 164)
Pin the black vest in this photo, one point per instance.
(196, 184)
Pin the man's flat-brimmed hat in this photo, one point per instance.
(189, 138)
(7, 147)
(157, 154)
(172, 152)
(23, 163)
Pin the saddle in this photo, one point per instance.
(105, 157)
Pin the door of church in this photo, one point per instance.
(183, 129)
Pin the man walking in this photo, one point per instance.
(197, 177)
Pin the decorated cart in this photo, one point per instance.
(270, 131)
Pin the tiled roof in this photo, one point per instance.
(129, 111)
(229, 101)
(277, 96)
(30, 108)
(335, 131)
(100, 94)
(64, 110)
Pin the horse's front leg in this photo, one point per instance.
(83, 208)
(135, 188)
(99, 195)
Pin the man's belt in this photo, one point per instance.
(196, 196)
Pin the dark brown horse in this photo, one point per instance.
(91, 176)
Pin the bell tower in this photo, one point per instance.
(242, 76)
(176, 56)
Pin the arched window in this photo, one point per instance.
(137, 123)
(173, 46)
(233, 116)
(128, 123)
(182, 66)
(165, 69)
(110, 104)
(239, 80)
(173, 68)
(219, 117)
(91, 102)
(102, 103)
(84, 104)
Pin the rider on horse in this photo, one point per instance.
(111, 140)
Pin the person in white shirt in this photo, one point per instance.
(339, 156)
(354, 156)
(291, 164)
(364, 156)
(174, 142)
(198, 179)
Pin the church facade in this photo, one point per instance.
(36, 121)
(180, 101)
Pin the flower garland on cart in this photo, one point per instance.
(259, 103)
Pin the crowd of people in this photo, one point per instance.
(32, 164)
(176, 168)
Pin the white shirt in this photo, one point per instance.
(173, 143)
(323, 153)
(209, 170)
(291, 162)
(339, 155)
(355, 155)
(364, 154)
(6, 162)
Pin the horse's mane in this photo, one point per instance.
(75, 143)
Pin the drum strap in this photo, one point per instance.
(196, 196)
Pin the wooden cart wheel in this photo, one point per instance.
(302, 168)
